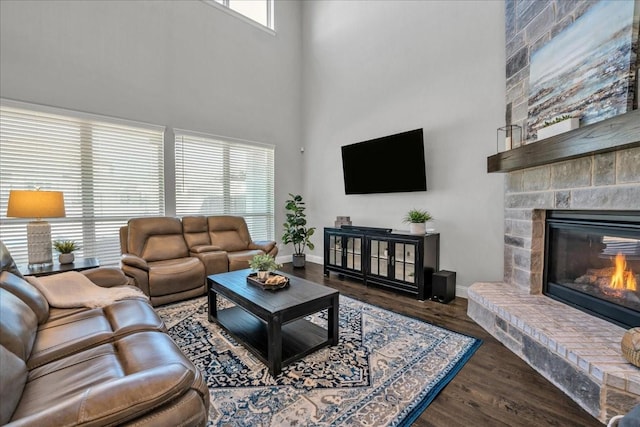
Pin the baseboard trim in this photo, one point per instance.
(310, 258)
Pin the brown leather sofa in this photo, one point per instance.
(169, 259)
(113, 365)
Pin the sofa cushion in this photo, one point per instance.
(155, 239)
(13, 376)
(18, 326)
(196, 232)
(27, 293)
(230, 233)
(240, 260)
(108, 384)
(159, 248)
(82, 330)
(174, 275)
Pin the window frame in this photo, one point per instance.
(270, 28)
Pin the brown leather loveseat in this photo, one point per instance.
(169, 259)
(112, 365)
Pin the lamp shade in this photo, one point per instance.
(35, 204)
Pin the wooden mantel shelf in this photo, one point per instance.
(616, 133)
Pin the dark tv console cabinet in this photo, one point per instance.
(379, 256)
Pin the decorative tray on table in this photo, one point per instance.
(272, 283)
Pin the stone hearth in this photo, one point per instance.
(577, 352)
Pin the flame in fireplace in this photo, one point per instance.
(623, 278)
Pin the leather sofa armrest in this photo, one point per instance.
(106, 277)
(134, 261)
(204, 248)
(264, 245)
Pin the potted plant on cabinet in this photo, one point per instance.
(65, 248)
(263, 264)
(296, 231)
(417, 220)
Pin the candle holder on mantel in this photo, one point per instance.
(509, 137)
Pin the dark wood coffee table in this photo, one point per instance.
(271, 324)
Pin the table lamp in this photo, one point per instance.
(37, 204)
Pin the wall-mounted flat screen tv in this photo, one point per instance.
(391, 164)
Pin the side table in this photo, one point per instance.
(78, 265)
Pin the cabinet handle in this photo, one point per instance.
(393, 260)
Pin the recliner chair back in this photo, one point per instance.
(195, 230)
(229, 232)
(156, 239)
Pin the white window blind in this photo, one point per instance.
(109, 170)
(223, 177)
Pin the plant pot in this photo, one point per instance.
(298, 260)
(66, 258)
(262, 274)
(558, 128)
(417, 228)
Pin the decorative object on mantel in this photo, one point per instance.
(509, 136)
(631, 346)
(263, 265)
(65, 248)
(417, 220)
(560, 124)
(296, 230)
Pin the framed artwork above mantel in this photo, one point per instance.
(587, 70)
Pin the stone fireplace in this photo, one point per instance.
(577, 351)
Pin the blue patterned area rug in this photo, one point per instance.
(385, 370)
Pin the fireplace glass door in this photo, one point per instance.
(592, 262)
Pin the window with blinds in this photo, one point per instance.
(215, 176)
(109, 170)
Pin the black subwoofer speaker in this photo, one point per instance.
(443, 286)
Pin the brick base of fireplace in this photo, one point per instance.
(577, 352)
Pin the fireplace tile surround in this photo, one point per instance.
(577, 352)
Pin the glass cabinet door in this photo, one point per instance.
(335, 250)
(379, 257)
(405, 262)
(354, 253)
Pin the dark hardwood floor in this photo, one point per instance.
(495, 388)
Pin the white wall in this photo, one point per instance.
(373, 68)
(181, 64)
(358, 70)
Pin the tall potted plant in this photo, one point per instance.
(296, 230)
